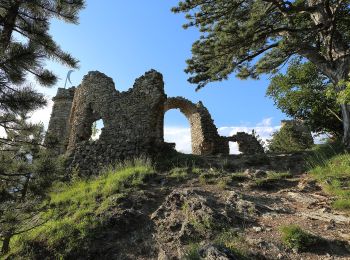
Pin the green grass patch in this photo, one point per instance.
(231, 240)
(178, 173)
(321, 153)
(296, 238)
(334, 176)
(77, 208)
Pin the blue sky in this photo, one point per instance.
(124, 39)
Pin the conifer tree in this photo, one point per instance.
(25, 44)
(25, 169)
(251, 37)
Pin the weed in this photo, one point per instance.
(239, 177)
(179, 173)
(334, 177)
(296, 238)
(271, 180)
(222, 184)
(196, 170)
(203, 224)
(192, 252)
(231, 240)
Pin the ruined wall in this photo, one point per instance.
(58, 130)
(247, 143)
(130, 118)
(133, 122)
(204, 134)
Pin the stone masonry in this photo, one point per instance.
(133, 122)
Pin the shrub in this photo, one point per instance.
(290, 139)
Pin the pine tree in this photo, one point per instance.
(251, 37)
(25, 43)
(26, 172)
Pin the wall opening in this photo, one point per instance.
(234, 148)
(96, 130)
(177, 130)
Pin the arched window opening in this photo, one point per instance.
(96, 130)
(177, 130)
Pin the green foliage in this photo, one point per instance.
(20, 57)
(255, 37)
(290, 139)
(343, 94)
(294, 237)
(26, 173)
(334, 176)
(303, 93)
(75, 209)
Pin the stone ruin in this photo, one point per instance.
(133, 122)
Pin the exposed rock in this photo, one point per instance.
(213, 252)
(306, 184)
(326, 216)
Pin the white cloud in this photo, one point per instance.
(182, 135)
(264, 129)
(43, 115)
(39, 116)
(179, 135)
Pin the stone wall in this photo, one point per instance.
(204, 134)
(133, 122)
(247, 143)
(58, 130)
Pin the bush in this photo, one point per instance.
(290, 138)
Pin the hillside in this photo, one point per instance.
(138, 211)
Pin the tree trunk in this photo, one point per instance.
(9, 24)
(345, 109)
(6, 244)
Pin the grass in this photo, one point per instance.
(178, 173)
(231, 240)
(76, 209)
(296, 238)
(271, 180)
(239, 177)
(334, 176)
(192, 252)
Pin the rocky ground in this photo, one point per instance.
(192, 213)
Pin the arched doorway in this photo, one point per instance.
(205, 139)
(177, 130)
